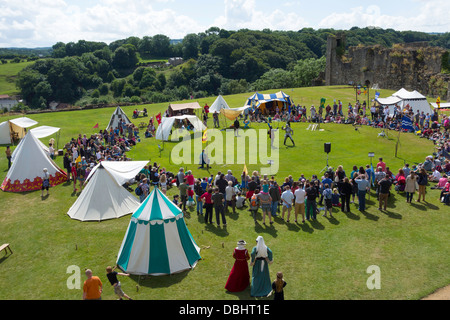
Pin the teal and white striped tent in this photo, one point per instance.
(157, 241)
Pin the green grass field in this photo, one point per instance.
(327, 259)
(8, 74)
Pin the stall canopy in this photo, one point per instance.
(218, 105)
(267, 103)
(403, 97)
(44, 131)
(166, 125)
(233, 113)
(121, 171)
(441, 106)
(182, 108)
(157, 241)
(14, 129)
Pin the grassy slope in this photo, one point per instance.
(8, 73)
(323, 260)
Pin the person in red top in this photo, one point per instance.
(381, 164)
(73, 171)
(208, 205)
(239, 277)
(93, 287)
(206, 110)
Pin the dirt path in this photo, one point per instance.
(440, 294)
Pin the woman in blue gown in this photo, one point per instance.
(261, 257)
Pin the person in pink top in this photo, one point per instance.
(381, 164)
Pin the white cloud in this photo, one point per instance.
(33, 23)
(240, 14)
(432, 16)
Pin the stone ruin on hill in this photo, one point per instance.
(413, 66)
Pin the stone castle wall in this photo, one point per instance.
(414, 66)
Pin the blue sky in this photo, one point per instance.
(37, 23)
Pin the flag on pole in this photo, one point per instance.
(205, 136)
(377, 95)
(407, 124)
(158, 118)
(438, 102)
(245, 169)
(96, 126)
(78, 159)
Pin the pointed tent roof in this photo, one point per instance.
(26, 171)
(157, 241)
(218, 104)
(103, 198)
(117, 114)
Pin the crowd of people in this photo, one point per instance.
(84, 152)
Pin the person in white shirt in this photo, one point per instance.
(51, 151)
(230, 197)
(300, 202)
(287, 198)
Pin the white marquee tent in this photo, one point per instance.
(104, 197)
(26, 171)
(166, 125)
(404, 97)
(14, 127)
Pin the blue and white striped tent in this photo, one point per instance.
(259, 100)
(157, 241)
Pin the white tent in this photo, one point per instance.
(44, 131)
(157, 241)
(404, 97)
(26, 171)
(164, 128)
(103, 198)
(15, 127)
(441, 106)
(218, 104)
(116, 117)
(20, 146)
(121, 171)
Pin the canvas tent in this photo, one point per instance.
(404, 97)
(104, 197)
(117, 115)
(26, 170)
(233, 113)
(218, 105)
(167, 123)
(15, 128)
(445, 105)
(180, 109)
(268, 102)
(157, 241)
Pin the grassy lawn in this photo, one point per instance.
(8, 74)
(326, 259)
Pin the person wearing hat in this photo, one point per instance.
(239, 277)
(45, 181)
(261, 257)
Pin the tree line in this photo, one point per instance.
(216, 61)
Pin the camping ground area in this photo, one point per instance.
(326, 259)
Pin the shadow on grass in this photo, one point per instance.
(392, 215)
(370, 216)
(352, 216)
(163, 281)
(268, 228)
